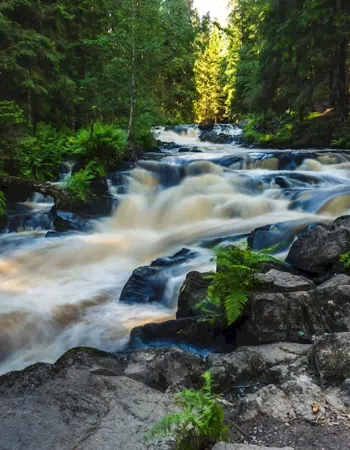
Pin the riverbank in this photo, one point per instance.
(318, 131)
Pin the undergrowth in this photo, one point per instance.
(199, 424)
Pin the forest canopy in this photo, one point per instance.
(69, 68)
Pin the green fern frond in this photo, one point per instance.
(234, 305)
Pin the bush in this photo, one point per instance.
(345, 259)
(234, 280)
(106, 144)
(78, 186)
(199, 425)
(41, 154)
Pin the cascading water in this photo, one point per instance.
(64, 292)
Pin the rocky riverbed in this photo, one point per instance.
(283, 370)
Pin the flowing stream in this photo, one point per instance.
(63, 292)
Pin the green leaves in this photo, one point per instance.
(234, 280)
(199, 424)
(41, 153)
(78, 186)
(345, 260)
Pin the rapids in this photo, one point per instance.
(57, 293)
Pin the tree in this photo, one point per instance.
(208, 75)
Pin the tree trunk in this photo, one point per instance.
(133, 72)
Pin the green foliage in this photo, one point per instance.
(102, 143)
(199, 424)
(78, 185)
(41, 153)
(10, 113)
(234, 279)
(345, 259)
(2, 204)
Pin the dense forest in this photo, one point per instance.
(91, 78)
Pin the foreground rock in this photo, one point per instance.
(82, 401)
(95, 400)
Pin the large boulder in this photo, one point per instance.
(252, 365)
(79, 402)
(198, 331)
(318, 251)
(273, 317)
(214, 138)
(148, 283)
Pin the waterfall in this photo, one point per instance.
(60, 293)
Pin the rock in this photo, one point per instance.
(180, 257)
(164, 368)
(78, 403)
(345, 387)
(252, 364)
(332, 358)
(223, 446)
(333, 297)
(277, 281)
(214, 138)
(196, 331)
(145, 285)
(100, 203)
(293, 399)
(319, 250)
(193, 291)
(274, 317)
(63, 222)
(206, 126)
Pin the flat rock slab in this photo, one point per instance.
(222, 446)
(279, 281)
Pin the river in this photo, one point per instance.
(57, 293)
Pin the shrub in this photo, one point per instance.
(106, 144)
(78, 186)
(199, 425)
(345, 259)
(41, 154)
(234, 280)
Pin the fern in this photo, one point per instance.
(199, 424)
(234, 280)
